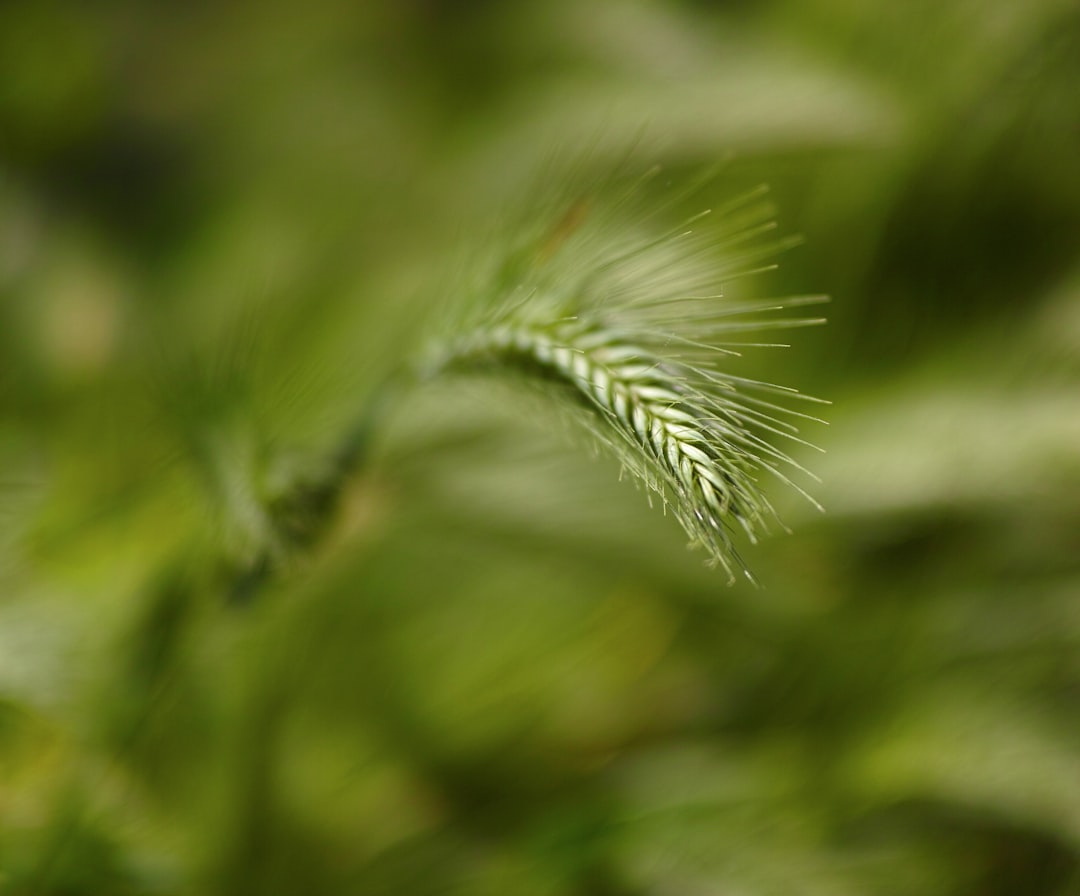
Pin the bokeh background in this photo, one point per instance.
(493, 669)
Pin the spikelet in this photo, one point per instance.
(639, 331)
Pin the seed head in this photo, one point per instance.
(640, 334)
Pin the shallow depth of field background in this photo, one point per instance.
(499, 672)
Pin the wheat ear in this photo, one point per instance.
(638, 331)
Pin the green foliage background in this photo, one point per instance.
(497, 671)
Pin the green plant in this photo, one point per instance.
(622, 320)
(637, 330)
(492, 670)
